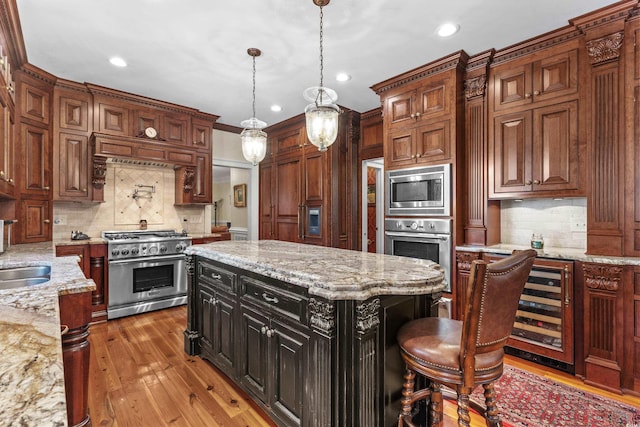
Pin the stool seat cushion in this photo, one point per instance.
(434, 343)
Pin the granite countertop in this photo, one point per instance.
(335, 274)
(557, 253)
(31, 371)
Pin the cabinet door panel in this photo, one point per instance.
(291, 140)
(512, 153)
(399, 149)
(224, 339)
(291, 356)
(314, 177)
(434, 143)
(36, 224)
(35, 104)
(556, 149)
(434, 100)
(144, 118)
(556, 76)
(201, 134)
(36, 156)
(207, 321)
(400, 109)
(512, 87)
(113, 119)
(74, 114)
(288, 205)
(74, 167)
(254, 362)
(266, 202)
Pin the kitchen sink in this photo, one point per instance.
(17, 277)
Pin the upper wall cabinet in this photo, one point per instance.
(524, 83)
(536, 144)
(421, 114)
(201, 134)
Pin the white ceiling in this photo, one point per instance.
(194, 52)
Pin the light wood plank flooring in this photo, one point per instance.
(141, 376)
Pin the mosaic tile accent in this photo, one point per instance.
(138, 194)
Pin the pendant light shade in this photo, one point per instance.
(254, 139)
(322, 114)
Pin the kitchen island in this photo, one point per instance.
(308, 331)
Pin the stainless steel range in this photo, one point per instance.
(146, 270)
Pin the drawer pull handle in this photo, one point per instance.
(270, 299)
(64, 329)
(216, 276)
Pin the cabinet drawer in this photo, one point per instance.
(282, 301)
(217, 276)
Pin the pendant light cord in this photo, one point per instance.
(254, 86)
(321, 56)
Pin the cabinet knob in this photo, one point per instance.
(413, 156)
(418, 114)
(46, 188)
(536, 181)
(84, 190)
(528, 182)
(527, 95)
(418, 155)
(270, 333)
(10, 180)
(536, 92)
(264, 330)
(46, 221)
(1, 174)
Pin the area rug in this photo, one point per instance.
(528, 400)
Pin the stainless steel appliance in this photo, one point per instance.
(421, 238)
(146, 270)
(423, 191)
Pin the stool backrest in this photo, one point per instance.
(493, 296)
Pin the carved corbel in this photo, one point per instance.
(464, 259)
(475, 87)
(602, 277)
(99, 172)
(322, 315)
(605, 49)
(189, 179)
(367, 316)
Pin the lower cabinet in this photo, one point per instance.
(307, 361)
(75, 315)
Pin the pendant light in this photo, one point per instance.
(322, 113)
(254, 139)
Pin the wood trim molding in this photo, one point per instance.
(602, 276)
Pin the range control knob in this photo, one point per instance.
(180, 247)
(135, 251)
(125, 252)
(115, 252)
(163, 249)
(414, 226)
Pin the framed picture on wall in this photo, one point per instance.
(240, 195)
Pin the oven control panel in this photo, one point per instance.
(414, 225)
(131, 249)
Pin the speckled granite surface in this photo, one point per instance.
(31, 372)
(550, 252)
(328, 272)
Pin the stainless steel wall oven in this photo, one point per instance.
(146, 271)
(421, 238)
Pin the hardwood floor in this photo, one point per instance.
(140, 376)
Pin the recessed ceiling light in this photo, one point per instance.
(118, 62)
(343, 77)
(276, 108)
(447, 29)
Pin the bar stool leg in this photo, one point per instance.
(407, 401)
(436, 417)
(463, 409)
(492, 415)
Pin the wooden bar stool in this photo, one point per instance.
(464, 354)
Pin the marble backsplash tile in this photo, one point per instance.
(561, 222)
(122, 211)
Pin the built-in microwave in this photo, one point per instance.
(420, 191)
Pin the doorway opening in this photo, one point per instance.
(373, 205)
(241, 218)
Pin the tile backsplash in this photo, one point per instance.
(561, 222)
(131, 193)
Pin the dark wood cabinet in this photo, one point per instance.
(7, 147)
(35, 153)
(36, 217)
(93, 262)
(299, 356)
(307, 196)
(193, 183)
(75, 315)
(201, 134)
(535, 144)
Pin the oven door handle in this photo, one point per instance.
(177, 257)
(418, 235)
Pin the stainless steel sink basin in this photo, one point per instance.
(17, 277)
